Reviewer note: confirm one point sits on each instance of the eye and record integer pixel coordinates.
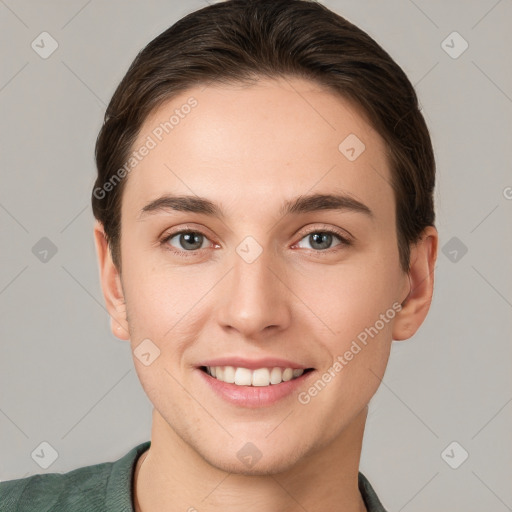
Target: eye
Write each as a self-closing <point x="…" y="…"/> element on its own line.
<point x="186" y="241"/>
<point x="321" y="240"/>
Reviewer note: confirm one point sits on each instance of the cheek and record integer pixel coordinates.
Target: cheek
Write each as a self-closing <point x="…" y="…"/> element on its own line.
<point x="348" y="298"/>
<point x="166" y="306"/>
<point x="355" y="301"/>
<point x="356" y="352"/>
<point x="159" y="299"/>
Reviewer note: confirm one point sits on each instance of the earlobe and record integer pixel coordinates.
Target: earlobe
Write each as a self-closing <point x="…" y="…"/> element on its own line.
<point x="421" y="276"/>
<point x="111" y="285"/>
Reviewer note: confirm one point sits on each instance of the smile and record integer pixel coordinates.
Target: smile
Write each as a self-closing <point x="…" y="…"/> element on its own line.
<point x="258" y="377"/>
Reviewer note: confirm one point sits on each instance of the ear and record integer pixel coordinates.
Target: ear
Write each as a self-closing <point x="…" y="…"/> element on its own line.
<point x="111" y="285"/>
<point x="421" y="277"/>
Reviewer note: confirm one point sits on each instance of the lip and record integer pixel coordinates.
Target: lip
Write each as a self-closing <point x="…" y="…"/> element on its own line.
<point x="253" y="396"/>
<point x="253" y="364"/>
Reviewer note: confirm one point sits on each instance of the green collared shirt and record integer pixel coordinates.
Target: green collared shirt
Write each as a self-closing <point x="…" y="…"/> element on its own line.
<point x="100" y="487"/>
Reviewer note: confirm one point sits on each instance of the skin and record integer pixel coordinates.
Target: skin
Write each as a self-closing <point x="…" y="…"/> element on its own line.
<point x="250" y="148"/>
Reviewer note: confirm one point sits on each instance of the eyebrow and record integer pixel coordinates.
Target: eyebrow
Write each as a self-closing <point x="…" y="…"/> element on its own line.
<point x="299" y="205"/>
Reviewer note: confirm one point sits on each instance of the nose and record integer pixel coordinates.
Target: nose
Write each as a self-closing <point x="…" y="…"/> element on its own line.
<point x="256" y="298"/>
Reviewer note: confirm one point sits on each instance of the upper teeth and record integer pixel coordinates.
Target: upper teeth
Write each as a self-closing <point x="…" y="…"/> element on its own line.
<point x="259" y="377"/>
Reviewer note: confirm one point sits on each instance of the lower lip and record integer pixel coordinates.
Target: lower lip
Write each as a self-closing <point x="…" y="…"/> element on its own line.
<point x="254" y="396"/>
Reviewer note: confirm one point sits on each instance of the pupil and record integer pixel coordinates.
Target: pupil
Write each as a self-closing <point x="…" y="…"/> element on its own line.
<point x="193" y="239"/>
<point x="323" y="239"/>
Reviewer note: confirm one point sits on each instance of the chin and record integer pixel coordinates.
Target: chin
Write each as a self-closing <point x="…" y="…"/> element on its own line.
<point x="257" y="458"/>
<point x="272" y="464"/>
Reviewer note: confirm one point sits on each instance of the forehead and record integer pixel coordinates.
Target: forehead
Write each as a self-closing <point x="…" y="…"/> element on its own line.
<point x="250" y="143"/>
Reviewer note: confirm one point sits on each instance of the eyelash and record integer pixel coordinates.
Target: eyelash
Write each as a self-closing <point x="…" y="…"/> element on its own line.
<point x="344" y="241"/>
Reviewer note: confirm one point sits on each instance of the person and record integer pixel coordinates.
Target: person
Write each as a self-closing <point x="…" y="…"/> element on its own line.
<point x="264" y="231"/>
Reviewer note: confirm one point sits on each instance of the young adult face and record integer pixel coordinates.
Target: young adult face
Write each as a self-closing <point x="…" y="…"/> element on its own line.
<point x="305" y="298"/>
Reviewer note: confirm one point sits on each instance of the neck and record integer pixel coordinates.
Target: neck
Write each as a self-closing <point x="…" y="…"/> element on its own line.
<point x="171" y="476"/>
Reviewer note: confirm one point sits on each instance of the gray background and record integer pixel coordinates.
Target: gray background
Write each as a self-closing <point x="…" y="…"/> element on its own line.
<point x="66" y="380"/>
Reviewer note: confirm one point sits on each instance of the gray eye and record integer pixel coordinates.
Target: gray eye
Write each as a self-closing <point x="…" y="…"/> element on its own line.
<point x="189" y="241"/>
<point x="320" y="240"/>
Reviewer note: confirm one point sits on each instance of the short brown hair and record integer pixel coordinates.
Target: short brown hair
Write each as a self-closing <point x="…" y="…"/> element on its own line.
<point x="239" y="41"/>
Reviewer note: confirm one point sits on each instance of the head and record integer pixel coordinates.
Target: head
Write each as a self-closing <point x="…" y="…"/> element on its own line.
<point x="261" y="112"/>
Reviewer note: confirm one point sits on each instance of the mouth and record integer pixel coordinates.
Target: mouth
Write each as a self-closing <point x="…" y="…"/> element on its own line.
<point x="258" y="377"/>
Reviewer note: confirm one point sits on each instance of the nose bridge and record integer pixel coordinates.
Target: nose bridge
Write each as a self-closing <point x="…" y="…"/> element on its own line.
<point x="255" y="298"/>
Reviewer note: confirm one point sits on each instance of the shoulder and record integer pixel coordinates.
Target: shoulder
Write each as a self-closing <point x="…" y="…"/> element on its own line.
<point x="370" y="498"/>
<point x="87" y="488"/>
<point x="52" y="490"/>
